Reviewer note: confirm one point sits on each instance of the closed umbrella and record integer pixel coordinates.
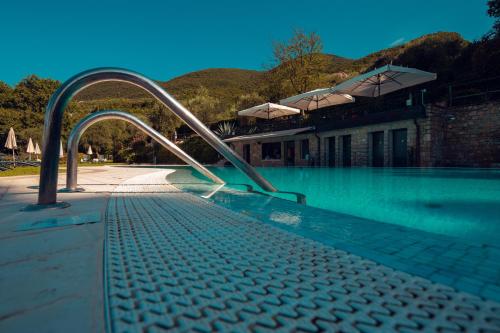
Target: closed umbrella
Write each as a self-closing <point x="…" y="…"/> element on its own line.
<point x="268" y="111"/>
<point x="31" y="149"/>
<point x="89" y="151"/>
<point x="316" y="99"/>
<point x="61" y="151"/>
<point x="384" y="80"/>
<point x="11" y="143"/>
<point x="37" y="150"/>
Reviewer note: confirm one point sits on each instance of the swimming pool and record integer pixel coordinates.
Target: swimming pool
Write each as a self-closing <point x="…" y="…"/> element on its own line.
<point x="442" y="224"/>
<point x="457" y="202"/>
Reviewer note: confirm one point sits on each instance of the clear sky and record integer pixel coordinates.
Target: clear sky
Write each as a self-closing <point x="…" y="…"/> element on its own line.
<point x="164" y="39"/>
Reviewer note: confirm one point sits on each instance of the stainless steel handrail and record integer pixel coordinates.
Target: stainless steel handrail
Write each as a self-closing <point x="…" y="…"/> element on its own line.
<point x="83" y="124"/>
<point x="47" y="193"/>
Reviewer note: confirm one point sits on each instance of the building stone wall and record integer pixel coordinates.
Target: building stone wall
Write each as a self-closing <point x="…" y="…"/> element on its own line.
<point x="361" y="142"/>
<point x="431" y="136"/>
<point x="471" y="136"/>
<point x="256" y="150"/>
<point x="466" y="136"/>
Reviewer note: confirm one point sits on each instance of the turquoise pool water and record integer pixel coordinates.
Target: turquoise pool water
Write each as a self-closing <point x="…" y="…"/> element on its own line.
<point x="458" y="202"/>
<point x="441" y="224"/>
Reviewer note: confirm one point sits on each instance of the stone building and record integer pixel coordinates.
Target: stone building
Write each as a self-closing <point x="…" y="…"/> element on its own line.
<point x="434" y="135"/>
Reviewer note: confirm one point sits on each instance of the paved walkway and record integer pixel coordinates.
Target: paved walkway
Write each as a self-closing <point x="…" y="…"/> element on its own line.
<point x="173" y="261"/>
<point x="51" y="280"/>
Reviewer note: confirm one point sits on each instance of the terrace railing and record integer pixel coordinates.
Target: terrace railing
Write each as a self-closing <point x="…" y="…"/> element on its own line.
<point x="404" y="104"/>
<point x="474" y="91"/>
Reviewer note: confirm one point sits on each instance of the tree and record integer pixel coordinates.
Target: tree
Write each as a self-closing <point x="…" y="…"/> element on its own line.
<point x="33" y="93"/>
<point x="162" y="119"/>
<point x="481" y="58"/>
<point x="246" y="101"/>
<point x="494" y="11"/>
<point x="5" y="95"/>
<point x="200" y="150"/>
<point x="298" y="61"/>
<point x="434" y="54"/>
<point x="203" y="105"/>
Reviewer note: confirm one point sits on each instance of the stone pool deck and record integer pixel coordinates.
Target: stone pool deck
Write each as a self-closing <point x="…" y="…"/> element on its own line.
<point x="158" y="259"/>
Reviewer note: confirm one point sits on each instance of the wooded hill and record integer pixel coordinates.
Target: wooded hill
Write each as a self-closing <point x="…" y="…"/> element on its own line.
<point x="433" y="52"/>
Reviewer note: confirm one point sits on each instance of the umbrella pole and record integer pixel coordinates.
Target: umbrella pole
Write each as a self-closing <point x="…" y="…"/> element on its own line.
<point x="13" y="157"/>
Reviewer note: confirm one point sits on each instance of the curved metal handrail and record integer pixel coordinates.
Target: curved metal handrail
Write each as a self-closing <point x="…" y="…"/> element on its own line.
<point x="47" y="193"/>
<point x="84" y="123"/>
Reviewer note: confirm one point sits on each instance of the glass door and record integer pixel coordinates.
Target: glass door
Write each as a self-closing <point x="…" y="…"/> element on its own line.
<point x="331" y="151"/>
<point x="378" y="149"/>
<point x="346" y="150"/>
<point x="399" y="148"/>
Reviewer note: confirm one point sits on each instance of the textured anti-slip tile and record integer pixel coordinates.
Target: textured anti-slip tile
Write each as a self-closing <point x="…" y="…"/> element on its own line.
<point x="176" y="262"/>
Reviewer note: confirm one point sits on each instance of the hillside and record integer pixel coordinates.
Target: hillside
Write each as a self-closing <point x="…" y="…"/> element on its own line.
<point x="433" y="52"/>
<point x="223" y="83"/>
<point x="226" y="84"/>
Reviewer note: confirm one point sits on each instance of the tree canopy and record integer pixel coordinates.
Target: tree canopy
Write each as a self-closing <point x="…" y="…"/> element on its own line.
<point x="298" y="62"/>
<point x="494" y="11"/>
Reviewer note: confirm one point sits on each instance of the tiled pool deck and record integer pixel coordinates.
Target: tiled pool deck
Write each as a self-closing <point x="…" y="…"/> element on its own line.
<point x="174" y="261"/>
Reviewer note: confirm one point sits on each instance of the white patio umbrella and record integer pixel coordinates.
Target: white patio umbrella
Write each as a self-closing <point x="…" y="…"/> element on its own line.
<point x="31" y="149"/>
<point x="89" y="151"/>
<point x="37" y="150"/>
<point x="384" y="80"/>
<point x="316" y="99"/>
<point x="11" y="143"/>
<point x="61" y="151"/>
<point x="268" y="111"/>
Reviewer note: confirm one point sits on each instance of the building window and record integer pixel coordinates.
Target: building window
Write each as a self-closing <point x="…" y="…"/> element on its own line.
<point x="304" y="149"/>
<point x="246" y="153"/>
<point x="271" y="151"/>
<point x="346" y="150"/>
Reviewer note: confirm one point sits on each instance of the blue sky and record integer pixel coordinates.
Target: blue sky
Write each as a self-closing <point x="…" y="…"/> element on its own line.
<point x="164" y="39"/>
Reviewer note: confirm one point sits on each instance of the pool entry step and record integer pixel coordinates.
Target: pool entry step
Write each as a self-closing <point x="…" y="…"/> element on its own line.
<point x="47" y="194"/>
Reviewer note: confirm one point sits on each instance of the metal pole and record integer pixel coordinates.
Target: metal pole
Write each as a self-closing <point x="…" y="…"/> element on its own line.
<point x="54" y="115"/>
<point x="81" y="127"/>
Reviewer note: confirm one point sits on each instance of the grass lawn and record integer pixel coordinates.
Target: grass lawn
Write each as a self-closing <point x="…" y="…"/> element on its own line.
<point x="21" y="171"/>
<point x="32" y="170"/>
